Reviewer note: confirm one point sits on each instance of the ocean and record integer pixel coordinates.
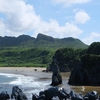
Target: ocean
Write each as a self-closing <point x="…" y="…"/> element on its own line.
<point x="28" y="84"/>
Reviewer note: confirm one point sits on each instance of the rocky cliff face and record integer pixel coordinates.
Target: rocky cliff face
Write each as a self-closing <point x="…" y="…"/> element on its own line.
<point x="66" y="59"/>
<point x="86" y="72"/>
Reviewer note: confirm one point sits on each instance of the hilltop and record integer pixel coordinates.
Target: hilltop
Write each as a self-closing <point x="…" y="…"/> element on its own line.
<point x="42" y="41"/>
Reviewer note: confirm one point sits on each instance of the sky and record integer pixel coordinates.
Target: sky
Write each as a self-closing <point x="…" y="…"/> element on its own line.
<point x="57" y="18"/>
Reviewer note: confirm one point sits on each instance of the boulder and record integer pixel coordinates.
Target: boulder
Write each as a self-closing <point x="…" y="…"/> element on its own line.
<point x="93" y="95"/>
<point x="4" y="96"/>
<point x="34" y="96"/>
<point x="52" y="93"/>
<point x="55" y="98"/>
<point x="18" y="94"/>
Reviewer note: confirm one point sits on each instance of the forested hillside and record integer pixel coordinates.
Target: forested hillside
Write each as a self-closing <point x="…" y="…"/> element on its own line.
<point x="68" y="58"/>
<point x="28" y="51"/>
<point x="27" y="57"/>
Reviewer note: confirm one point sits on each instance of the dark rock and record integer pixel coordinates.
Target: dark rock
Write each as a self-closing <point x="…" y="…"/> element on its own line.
<point x="18" y="94"/>
<point x="34" y="96"/>
<point x="79" y="76"/>
<point x="62" y="94"/>
<point x="4" y="96"/>
<point x="87" y="71"/>
<point x="50" y="93"/>
<point x="55" y="98"/>
<point x="77" y="97"/>
<point x="86" y="98"/>
<point x="71" y="93"/>
<point x="66" y="92"/>
<point x="93" y="95"/>
<point x="35" y="69"/>
<point x="56" y="76"/>
<point x="41" y="97"/>
<point x="43" y="70"/>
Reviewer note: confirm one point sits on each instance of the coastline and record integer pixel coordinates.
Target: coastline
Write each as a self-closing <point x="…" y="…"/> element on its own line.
<point x="41" y="76"/>
<point x="27" y="71"/>
<point x="30" y="71"/>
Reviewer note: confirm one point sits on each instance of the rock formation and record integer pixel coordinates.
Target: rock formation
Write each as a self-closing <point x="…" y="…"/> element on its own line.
<point x="56" y="76"/>
<point x="4" y="95"/>
<point x="18" y="94"/>
<point x="86" y="72"/>
<point x="53" y="93"/>
<point x="62" y="94"/>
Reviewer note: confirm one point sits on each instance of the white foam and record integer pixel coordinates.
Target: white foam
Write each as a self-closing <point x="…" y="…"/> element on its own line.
<point x="28" y="84"/>
<point x="19" y="79"/>
<point x="25" y="81"/>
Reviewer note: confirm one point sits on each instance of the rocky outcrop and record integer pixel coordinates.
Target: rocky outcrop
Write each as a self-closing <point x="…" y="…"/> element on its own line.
<point x="53" y="93"/>
<point x="4" y="95"/>
<point x="18" y="94"/>
<point x="56" y="76"/>
<point x="79" y="76"/>
<point x="66" y="59"/>
<point x="62" y="94"/>
<point x="86" y="72"/>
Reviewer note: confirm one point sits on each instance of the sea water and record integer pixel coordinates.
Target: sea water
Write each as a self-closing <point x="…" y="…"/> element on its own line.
<point x="28" y="84"/>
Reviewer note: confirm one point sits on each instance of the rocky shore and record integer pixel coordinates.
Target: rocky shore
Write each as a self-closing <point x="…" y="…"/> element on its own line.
<point x="53" y="93"/>
<point x="63" y="92"/>
<point x="86" y="72"/>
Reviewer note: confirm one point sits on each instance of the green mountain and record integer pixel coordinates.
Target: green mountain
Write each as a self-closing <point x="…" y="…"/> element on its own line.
<point x="8" y="41"/>
<point x="42" y="41"/>
<point x="28" y="51"/>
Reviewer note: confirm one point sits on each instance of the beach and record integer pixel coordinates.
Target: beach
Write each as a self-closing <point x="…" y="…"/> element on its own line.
<point x="29" y="79"/>
<point x="35" y="79"/>
<point x="37" y="72"/>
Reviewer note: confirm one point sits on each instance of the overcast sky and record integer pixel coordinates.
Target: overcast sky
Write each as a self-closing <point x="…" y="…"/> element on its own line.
<point x="57" y="18"/>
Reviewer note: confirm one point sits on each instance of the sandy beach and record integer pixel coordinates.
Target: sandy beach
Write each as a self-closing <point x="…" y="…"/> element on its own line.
<point x="27" y="71"/>
<point x="30" y="71"/>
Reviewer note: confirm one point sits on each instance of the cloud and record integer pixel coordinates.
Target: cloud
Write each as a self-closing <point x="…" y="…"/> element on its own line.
<point x="81" y="17"/>
<point x="21" y="18"/>
<point x="2" y="27"/>
<point x="69" y="2"/>
<point x="93" y="37"/>
<point x="52" y="28"/>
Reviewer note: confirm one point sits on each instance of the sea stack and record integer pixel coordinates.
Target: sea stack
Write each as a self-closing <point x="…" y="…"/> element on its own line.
<point x="56" y="76"/>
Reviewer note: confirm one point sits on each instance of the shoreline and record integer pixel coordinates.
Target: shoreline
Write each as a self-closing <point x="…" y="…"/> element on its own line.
<point x="42" y="76"/>
<point x="28" y="71"/>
